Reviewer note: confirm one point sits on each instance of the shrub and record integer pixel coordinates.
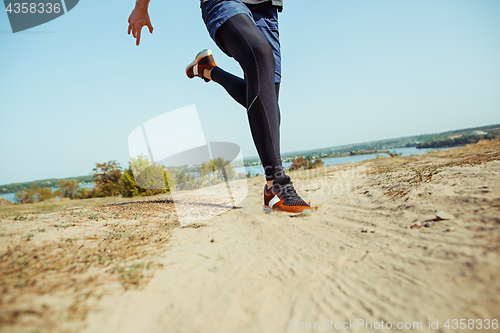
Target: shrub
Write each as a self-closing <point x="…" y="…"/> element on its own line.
<point x="393" y="154"/>
<point x="107" y="178"/>
<point x="151" y="179"/>
<point x="68" y="188"/>
<point x="305" y="163"/>
<point x="35" y="194"/>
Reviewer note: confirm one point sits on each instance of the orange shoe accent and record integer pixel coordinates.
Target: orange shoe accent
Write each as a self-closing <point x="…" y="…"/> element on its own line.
<point x="282" y="198"/>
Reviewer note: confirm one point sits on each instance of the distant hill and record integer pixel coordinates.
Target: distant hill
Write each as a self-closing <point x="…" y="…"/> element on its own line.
<point x="53" y="182"/>
<point x="403" y="142"/>
<point x="408" y="141"/>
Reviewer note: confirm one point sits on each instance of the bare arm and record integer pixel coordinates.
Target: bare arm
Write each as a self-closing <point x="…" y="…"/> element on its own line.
<point x="138" y="19"/>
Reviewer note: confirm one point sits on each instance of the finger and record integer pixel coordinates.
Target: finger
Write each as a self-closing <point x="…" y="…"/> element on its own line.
<point x="138" y="37"/>
<point x="129" y="28"/>
<point x="134" y="32"/>
<point x="150" y="26"/>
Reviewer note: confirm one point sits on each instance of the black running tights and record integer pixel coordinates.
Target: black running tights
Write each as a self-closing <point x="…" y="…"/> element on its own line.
<point x="257" y="92"/>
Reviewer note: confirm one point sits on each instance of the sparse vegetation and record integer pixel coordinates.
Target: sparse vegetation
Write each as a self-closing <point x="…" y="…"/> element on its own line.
<point x="132" y="274"/>
<point x="77" y="265"/>
<point x="393" y="154"/>
<point x="35" y="194"/>
<point x="412" y="173"/>
<point x="305" y="163"/>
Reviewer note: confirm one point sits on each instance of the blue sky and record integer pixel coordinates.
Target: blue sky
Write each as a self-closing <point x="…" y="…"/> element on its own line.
<point x="72" y="90"/>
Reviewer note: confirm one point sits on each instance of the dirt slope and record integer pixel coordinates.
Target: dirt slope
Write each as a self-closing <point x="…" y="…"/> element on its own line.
<point x="374" y="250"/>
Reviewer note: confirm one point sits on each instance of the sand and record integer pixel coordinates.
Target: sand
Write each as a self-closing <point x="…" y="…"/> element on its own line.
<point x="374" y="250"/>
<point x="5" y="202"/>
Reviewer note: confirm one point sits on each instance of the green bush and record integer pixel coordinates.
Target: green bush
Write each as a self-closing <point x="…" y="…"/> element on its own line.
<point x="68" y="188"/>
<point x="151" y="177"/>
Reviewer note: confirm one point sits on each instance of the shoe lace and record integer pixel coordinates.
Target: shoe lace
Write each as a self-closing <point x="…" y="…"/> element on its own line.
<point x="288" y="193"/>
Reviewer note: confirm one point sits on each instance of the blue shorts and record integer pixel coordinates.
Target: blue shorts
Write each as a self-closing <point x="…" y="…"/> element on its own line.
<point x="216" y="12"/>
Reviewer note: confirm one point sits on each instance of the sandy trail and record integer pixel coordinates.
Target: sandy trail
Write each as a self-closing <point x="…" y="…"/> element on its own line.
<point x="355" y="258"/>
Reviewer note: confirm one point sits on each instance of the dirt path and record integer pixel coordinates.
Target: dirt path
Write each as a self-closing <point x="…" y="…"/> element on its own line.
<point x="355" y="258"/>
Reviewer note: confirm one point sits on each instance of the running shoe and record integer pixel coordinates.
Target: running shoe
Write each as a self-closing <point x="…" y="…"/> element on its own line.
<point x="282" y="198"/>
<point x="203" y="60"/>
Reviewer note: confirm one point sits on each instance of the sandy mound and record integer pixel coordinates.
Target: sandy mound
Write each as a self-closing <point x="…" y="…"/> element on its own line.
<point x="5" y="202"/>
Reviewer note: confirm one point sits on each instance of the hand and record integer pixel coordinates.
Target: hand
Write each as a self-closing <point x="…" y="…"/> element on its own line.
<point x="137" y="20"/>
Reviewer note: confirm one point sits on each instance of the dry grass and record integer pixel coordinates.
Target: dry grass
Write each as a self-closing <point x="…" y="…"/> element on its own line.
<point x="399" y="175"/>
<point x="73" y="255"/>
<point x="5" y="202"/>
<point x="55" y="205"/>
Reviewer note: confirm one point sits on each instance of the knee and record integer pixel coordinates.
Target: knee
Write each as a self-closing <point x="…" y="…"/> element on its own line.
<point x="263" y="51"/>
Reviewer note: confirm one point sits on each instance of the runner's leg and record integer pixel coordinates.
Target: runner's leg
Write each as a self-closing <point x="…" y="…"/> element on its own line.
<point x="247" y="45"/>
<point x="235" y="86"/>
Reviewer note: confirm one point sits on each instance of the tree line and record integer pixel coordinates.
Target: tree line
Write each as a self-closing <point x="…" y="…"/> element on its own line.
<point x="110" y="179"/>
<point x="12" y="188"/>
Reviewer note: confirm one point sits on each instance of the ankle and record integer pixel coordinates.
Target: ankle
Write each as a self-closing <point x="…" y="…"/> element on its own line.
<point x="207" y="73"/>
